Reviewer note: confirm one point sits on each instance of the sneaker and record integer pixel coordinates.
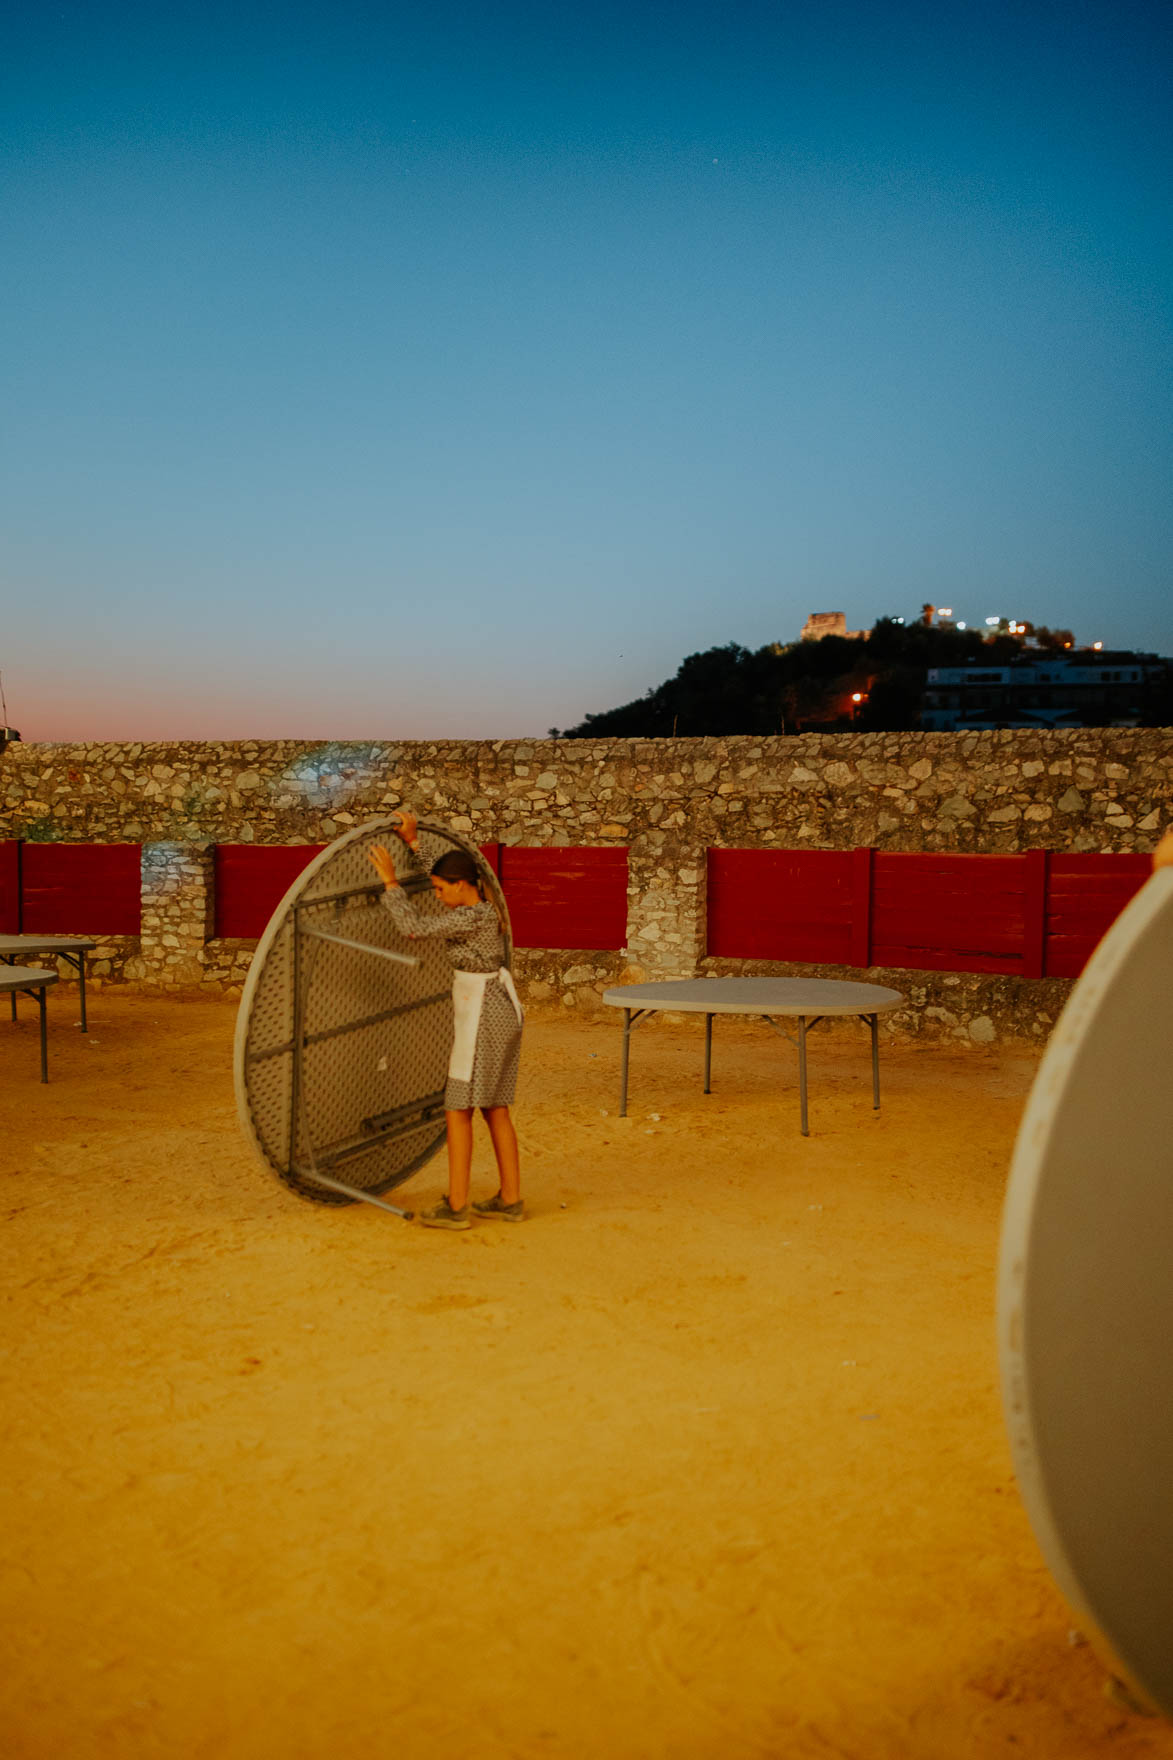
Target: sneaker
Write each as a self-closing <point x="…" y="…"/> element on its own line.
<point x="442" y="1215"/>
<point x="494" y="1207"/>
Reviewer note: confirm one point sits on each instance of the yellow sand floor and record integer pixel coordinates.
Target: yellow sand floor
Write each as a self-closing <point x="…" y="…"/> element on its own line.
<point x="703" y="1461"/>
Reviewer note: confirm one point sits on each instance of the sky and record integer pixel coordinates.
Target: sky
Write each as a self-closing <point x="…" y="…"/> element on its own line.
<point x="407" y="372"/>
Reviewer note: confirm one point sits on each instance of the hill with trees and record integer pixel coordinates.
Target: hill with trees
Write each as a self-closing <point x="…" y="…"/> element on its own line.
<point x="872" y="682"/>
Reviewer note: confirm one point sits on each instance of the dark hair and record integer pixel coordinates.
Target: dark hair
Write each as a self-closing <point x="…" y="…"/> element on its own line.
<point x="457" y="864"/>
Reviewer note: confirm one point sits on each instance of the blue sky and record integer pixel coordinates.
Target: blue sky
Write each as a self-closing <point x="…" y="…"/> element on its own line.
<point x="398" y="372"/>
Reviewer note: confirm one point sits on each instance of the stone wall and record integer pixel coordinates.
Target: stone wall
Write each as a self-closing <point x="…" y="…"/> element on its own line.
<point x="667" y="801"/>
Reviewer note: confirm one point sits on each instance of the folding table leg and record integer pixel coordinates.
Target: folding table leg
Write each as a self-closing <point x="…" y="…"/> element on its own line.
<point x="44" y="1040"/>
<point x="802" y="1073"/>
<point x="708" y="1053"/>
<point x="81" y="980"/>
<point x="626" y="1053"/>
<point x="874" y="1024"/>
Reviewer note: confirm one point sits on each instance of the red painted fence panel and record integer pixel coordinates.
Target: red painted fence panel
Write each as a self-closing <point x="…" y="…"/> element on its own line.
<point x="10" y="887"/>
<point x="1085" y="895"/>
<point x="1034" y="915"/>
<point x="566" y="898"/>
<point x="81" y="889"/>
<point x="558" y="898"/>
<point x="786" y="904"/>
<point x="251" y="879"/>
<point x="949" y="913"/>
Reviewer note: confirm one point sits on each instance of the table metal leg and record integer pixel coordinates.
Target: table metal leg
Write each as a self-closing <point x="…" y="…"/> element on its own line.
<point x="44" y="1040"/>
<point x="336" y="1185"/>
<point x="874" y="1023"/>
<point x="81" y="981"/>
<point x="802" y="1073"/>
<point x="623" y="1066"/>
<point x="708" y="1053"/>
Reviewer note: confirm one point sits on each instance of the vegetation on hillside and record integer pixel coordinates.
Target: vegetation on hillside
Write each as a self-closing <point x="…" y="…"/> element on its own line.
<point x="800" y="685"/>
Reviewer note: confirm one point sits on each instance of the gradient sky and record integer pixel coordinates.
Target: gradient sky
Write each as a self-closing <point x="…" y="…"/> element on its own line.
<point x="388" y="371"/>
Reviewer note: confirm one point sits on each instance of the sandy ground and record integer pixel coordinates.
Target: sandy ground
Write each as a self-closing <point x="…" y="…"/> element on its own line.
<point x="704" y="1460"/>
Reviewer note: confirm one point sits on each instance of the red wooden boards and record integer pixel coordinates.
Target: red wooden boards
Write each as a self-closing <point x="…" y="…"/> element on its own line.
<point x="80" y="889"/>
<point x="949" y="913"/>
<point x="251" y="879"/>
<point x="564" y="898"/>
<point x="1034" y="915"/>
<point x="567" y="899"/>
<point x="781" y="904"/>
<point x="10" y="864"/>
<point x="1084" y="895"/>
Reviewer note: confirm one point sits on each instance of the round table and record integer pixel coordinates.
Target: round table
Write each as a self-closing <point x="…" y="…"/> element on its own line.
<point x="807" y="1000"/>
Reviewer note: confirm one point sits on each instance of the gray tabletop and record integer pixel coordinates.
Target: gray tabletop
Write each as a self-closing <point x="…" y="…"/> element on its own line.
<point x="25" y="978"/>
<point x="792" y="996"/>
<point x="46" y="944"/>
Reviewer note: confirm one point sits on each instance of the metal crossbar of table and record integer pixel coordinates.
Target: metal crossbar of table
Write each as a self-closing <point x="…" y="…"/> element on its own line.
<point x="807" y="1000"/>
<point x="34" y="982"/>
<point x="71" y="948"/>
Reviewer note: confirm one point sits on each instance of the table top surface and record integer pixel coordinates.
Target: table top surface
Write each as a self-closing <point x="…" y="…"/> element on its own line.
<point x="24" y="978"/>
<point x="801" y="996"/>
<point x="46" y="944"/>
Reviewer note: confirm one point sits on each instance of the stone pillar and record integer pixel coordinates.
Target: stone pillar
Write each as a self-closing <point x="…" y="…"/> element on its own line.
<point x="178" y="904"/>
<point x="666" y="907"/>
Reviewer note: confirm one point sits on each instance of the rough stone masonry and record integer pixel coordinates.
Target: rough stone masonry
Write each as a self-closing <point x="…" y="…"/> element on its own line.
<point x="666" y="801"/>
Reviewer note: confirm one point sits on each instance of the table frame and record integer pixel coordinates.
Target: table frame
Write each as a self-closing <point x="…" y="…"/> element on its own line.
<point x="74" y="956"/>
<point x="36" y="984"/>
<point x="637" y="1013"/>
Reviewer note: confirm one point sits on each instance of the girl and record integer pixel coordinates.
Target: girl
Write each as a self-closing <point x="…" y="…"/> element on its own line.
<point x="487" y="1015"/>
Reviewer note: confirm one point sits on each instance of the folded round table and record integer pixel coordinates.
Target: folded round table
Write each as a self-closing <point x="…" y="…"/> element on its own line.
<point x="807" y="1000"/>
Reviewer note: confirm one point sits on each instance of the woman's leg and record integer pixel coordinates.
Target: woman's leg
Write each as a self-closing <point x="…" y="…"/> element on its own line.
<point x="459" y="1126"/>
<point x="505" y="1149"/>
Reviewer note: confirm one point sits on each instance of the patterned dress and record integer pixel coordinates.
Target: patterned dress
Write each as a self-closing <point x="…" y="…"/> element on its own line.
<point x="473" y="943"/>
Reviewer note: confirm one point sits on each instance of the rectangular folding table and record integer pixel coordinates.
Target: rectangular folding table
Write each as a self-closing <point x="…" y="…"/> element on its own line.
<point x="71" y="948"/>
<point x="33" y="982"/>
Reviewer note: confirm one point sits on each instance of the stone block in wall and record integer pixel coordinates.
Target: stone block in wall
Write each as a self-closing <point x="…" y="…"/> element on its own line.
<point x="178" y="907"/>
<point x="226" y="964"/>
<point x="568" y="980"/>
<point x="107" y="964"/>
<point x="666" y="905"/>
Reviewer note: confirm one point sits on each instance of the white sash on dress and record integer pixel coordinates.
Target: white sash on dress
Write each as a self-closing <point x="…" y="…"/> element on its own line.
<point x="468" y="999"/>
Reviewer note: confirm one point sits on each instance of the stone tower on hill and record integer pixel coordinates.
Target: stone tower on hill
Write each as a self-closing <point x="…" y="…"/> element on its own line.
<point x="829" y="623"/>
